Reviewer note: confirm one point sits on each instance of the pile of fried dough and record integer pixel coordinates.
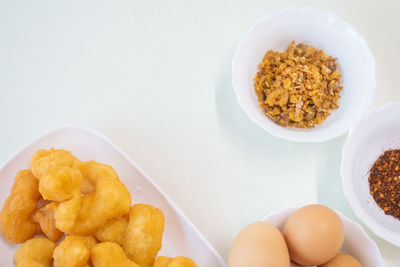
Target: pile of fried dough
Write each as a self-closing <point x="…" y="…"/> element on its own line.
<point x="82" y="215"/>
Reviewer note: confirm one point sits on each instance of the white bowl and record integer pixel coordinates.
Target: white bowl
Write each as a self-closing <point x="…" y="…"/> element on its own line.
<point x="378" y="132"/>
<point x="323" y="30"/>
<point x="356" y="241"/>
<point x="180" y="237"/>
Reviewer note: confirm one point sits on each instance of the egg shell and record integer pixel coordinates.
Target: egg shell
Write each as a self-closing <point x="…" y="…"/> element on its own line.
<point x="293" y="264"/>
<point x="314" y="234"/>
<point x="342" y="260"/>
<point x="260" y="244"/>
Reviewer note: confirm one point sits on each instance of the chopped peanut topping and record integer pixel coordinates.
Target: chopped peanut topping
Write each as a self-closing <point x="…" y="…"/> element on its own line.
<point x="298" y="87"/>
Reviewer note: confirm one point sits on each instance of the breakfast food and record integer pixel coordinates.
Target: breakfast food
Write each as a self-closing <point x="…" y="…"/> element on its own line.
<point x="259" y="244"/>
<point x="113" y="230"/>
<point x="43" y="160"/>
<point x="298" y="87"/>
<point x="73" y="251"/>
<point x="314" y="234"/>
<point x="45" y="218"/>
<point x="110" y="199"/>
<point x="162" y="261"/>
<point x="110" y="254"/>
<point x="93" y="171"/>
<point x="60" y="184"/>
<point x="143" y="234"/>
<point x="15" y="222"/>
<point x="87" y="204"/>
<point x="174" y="262"/>
<point x="384" y="179"/>
<point x="65" y="213"/>
<point x="342" y="260"/>
<point x="36" y="252"/>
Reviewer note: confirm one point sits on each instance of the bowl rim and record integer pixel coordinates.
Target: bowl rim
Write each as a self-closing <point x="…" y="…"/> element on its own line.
<point x="344" y="219"/>
<point x="376" y="228"/>
<point x="301" y="138"/>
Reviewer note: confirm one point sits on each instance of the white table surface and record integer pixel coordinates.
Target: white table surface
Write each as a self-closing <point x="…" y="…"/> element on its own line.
<point x="155" y="77"/>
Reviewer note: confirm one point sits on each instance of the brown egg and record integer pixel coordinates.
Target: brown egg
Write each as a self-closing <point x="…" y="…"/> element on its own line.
<point x="314" y="234"/>
<point x="259" y="244"/>
<point x="293" y="264"/>
<point x="342" y="260"/>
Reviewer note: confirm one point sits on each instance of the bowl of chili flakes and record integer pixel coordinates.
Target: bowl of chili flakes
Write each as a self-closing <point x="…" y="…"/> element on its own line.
<point x="370" y="171"/>
<point x="322" y="30"/>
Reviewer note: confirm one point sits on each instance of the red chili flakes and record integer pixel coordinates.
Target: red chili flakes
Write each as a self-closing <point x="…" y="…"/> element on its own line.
<point x="384" y="182"/>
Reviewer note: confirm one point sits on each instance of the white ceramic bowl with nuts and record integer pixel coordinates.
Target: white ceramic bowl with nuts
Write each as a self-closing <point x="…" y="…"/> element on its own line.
<point x="322" y="30"/>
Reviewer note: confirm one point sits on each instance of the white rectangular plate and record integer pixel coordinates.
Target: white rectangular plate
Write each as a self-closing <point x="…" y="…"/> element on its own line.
<point x="181" y="237"/>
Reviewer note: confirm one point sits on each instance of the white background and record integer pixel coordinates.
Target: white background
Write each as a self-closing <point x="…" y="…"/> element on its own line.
<point x="155" y="77"/>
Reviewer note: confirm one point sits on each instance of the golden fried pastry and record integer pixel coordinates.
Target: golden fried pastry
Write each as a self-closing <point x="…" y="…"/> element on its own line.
<point x="63" y="179"/>
<point x="108" y="254"/>
<point x="74" y="251"/>
<point x="143" y="234"/>
<point x="112" y="231"/>
<point x="63" y="185"/>
<point x="110" y="199"/>
<point x="60" y="184"/>
<point x="45" y="159"/>
<point x="45" y="218"/>
<point x="63" y="195"/>
<point x="162" y="261"/>
<point x="182" y="262"/>
<point x="36" y="252"/>
<point x="93" y="171"/>
<point x="85" y="216"/>
<point x="15" y="217"/>
<point x="66" y="213"/>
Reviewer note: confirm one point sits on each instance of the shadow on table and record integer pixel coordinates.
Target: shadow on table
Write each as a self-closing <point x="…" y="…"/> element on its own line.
<point x="329" y="183"/>
<point x="234" y="123"/>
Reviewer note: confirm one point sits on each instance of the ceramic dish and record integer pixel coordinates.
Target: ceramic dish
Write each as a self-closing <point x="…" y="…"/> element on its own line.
<point x="180" y="237"/>
<point x="366" y="142"/>
<point x="323" y="30"/>
<point x="356" y="241"/>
